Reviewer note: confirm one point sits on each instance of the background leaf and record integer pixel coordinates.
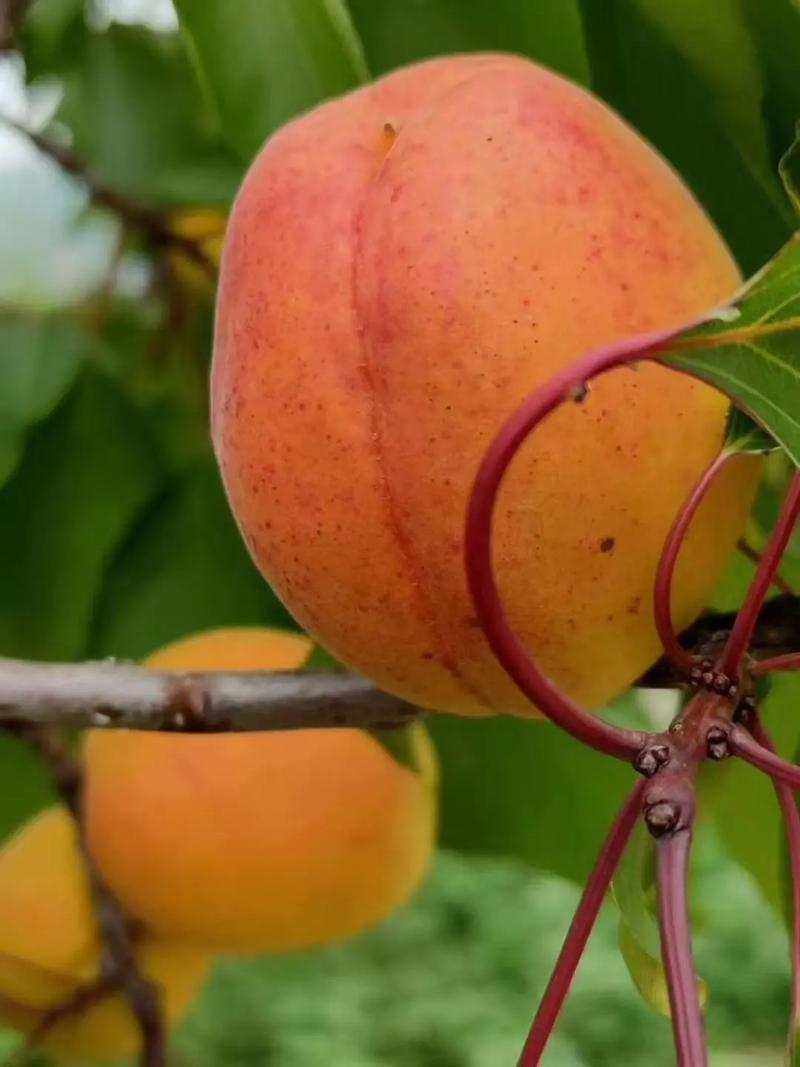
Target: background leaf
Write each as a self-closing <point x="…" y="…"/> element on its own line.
<point x="549" y="31"/>
<point x="131" y="104"/>
<point x="182" y="568"/>
<point x="270" y="62"/>
<point x="86" y="472"/>
<point x="649" y="61"/>
<point x="513" y="786"/>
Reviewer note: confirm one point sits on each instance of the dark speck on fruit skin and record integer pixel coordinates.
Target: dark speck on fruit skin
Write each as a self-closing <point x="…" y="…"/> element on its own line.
<point x="607" y="544"/>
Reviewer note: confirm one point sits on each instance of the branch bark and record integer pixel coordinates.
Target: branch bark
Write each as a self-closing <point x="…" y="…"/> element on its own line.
<point x="110" y="694"/>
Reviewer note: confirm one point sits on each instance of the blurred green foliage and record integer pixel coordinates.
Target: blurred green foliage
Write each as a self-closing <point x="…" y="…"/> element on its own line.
<point x="114" y="532"/>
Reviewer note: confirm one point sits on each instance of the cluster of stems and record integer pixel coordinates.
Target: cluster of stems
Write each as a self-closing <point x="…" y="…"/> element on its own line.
<point x="719" y="720"/>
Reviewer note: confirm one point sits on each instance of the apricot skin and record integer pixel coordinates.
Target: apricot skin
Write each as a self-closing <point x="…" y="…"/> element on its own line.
<point x="49" y="947"/>
<point x="402" y="267"/>
<point x="258" y="842"/>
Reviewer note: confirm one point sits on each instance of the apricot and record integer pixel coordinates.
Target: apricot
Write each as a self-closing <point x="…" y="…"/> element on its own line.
<point x="402" y="267"/>
<point x="50" y="947"/>
<point x="260" y="842"/>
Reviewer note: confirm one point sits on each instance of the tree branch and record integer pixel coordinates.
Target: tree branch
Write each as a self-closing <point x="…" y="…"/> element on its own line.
<point x="109" y="694"/>
<point x="119" y="968"/>
<point x="133" y="215"/>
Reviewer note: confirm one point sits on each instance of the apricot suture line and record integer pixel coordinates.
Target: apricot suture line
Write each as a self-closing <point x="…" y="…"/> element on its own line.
<point x="719" y="720"/>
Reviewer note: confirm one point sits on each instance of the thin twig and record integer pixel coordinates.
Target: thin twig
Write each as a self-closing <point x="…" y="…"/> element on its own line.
<point x="119" y="967"/>
<point x="747" y="550"/>
<point x="580" y="929"/>
<point x="11" y="15"/>
<point x="791" y="821"/>
<point x="744" y="625"/>
<point x="779" y="769"/>
<point x="149" y="221"/>
<point x="788" y="662"/>
<point x="672" y="860"/>
<point x="662" y="589"/>
<point x="108" y="694"/>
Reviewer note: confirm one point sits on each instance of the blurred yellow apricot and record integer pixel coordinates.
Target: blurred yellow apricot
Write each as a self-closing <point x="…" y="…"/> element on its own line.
<point x="260" y="841"/>
<point x="50" y="947"/>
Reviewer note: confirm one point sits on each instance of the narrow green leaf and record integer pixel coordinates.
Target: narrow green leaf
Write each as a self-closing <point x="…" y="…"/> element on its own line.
<point x="639" y="938"/>
<point x="751" y="349"/>
<point x="744" y="436"/>
<point x="789" y="169"/>
<point x="269" y="62"/>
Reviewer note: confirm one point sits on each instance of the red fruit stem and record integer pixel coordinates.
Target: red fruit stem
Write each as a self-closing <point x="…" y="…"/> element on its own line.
<point x="662" y="590"/>
<point x="569" y="383"/>
<point x="581" y="927"/>
<point x="672" y="859"/>
<point x="779" y="769"/>
<point x="789" y="662"/>
<point x="746" y="620"/>
<point x="791" y="822"/>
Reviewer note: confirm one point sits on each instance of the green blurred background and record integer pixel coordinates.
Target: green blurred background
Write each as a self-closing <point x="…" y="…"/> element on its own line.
<point x="115" y="536"/>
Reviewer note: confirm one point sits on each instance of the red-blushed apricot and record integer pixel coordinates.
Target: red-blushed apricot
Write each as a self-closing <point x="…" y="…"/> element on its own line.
<point x="50" y="947"/>
<point x="258" y="842"/>
<point x="402" y="267"/>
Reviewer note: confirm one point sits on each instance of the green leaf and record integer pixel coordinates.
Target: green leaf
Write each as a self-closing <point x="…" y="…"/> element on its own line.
<point x="182" y="568"/>
<point x="548" y="31"/>
<point x="39" y="360"/>
<point x="136" y="117"/>
<point x="525" y="789"/>
<point x="86" y="473"/>
<point x="662" y="66"/>
<point x="51" y="36"/>
<point x="751" y="349"/>
<point x="25" y="786"/>
<point x="321" y="659"/>
<point x="789" y="168"/>
<point x="775" y="29"/>
<point x="743" y="436"/>
<point x="269" y="62"/>
<point x="639" y="938"/>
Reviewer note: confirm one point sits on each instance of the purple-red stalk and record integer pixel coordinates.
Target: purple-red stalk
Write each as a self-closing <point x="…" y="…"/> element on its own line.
<point x="746" y="620"/>
<point x="791" y="822"/>
<point x="662" y="590"/>
<point x="672" y="860"/>
<point x="569" y="383"/>
<point x="789" y="662"/>
<point x="580" y="929"/>
<point x="779" y="769"/>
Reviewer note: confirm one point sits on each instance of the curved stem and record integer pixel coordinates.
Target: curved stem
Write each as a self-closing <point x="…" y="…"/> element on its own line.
<point x="791" y="822"/>
<point x="506" y="646"/>
<point x="765" y="572"/>
<point x="779" y="769"/>
<point x="789" y="662"/>
<point x="662" y="589"/>
<point x="580" y="929"/>
<point x="672" y="859"/>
